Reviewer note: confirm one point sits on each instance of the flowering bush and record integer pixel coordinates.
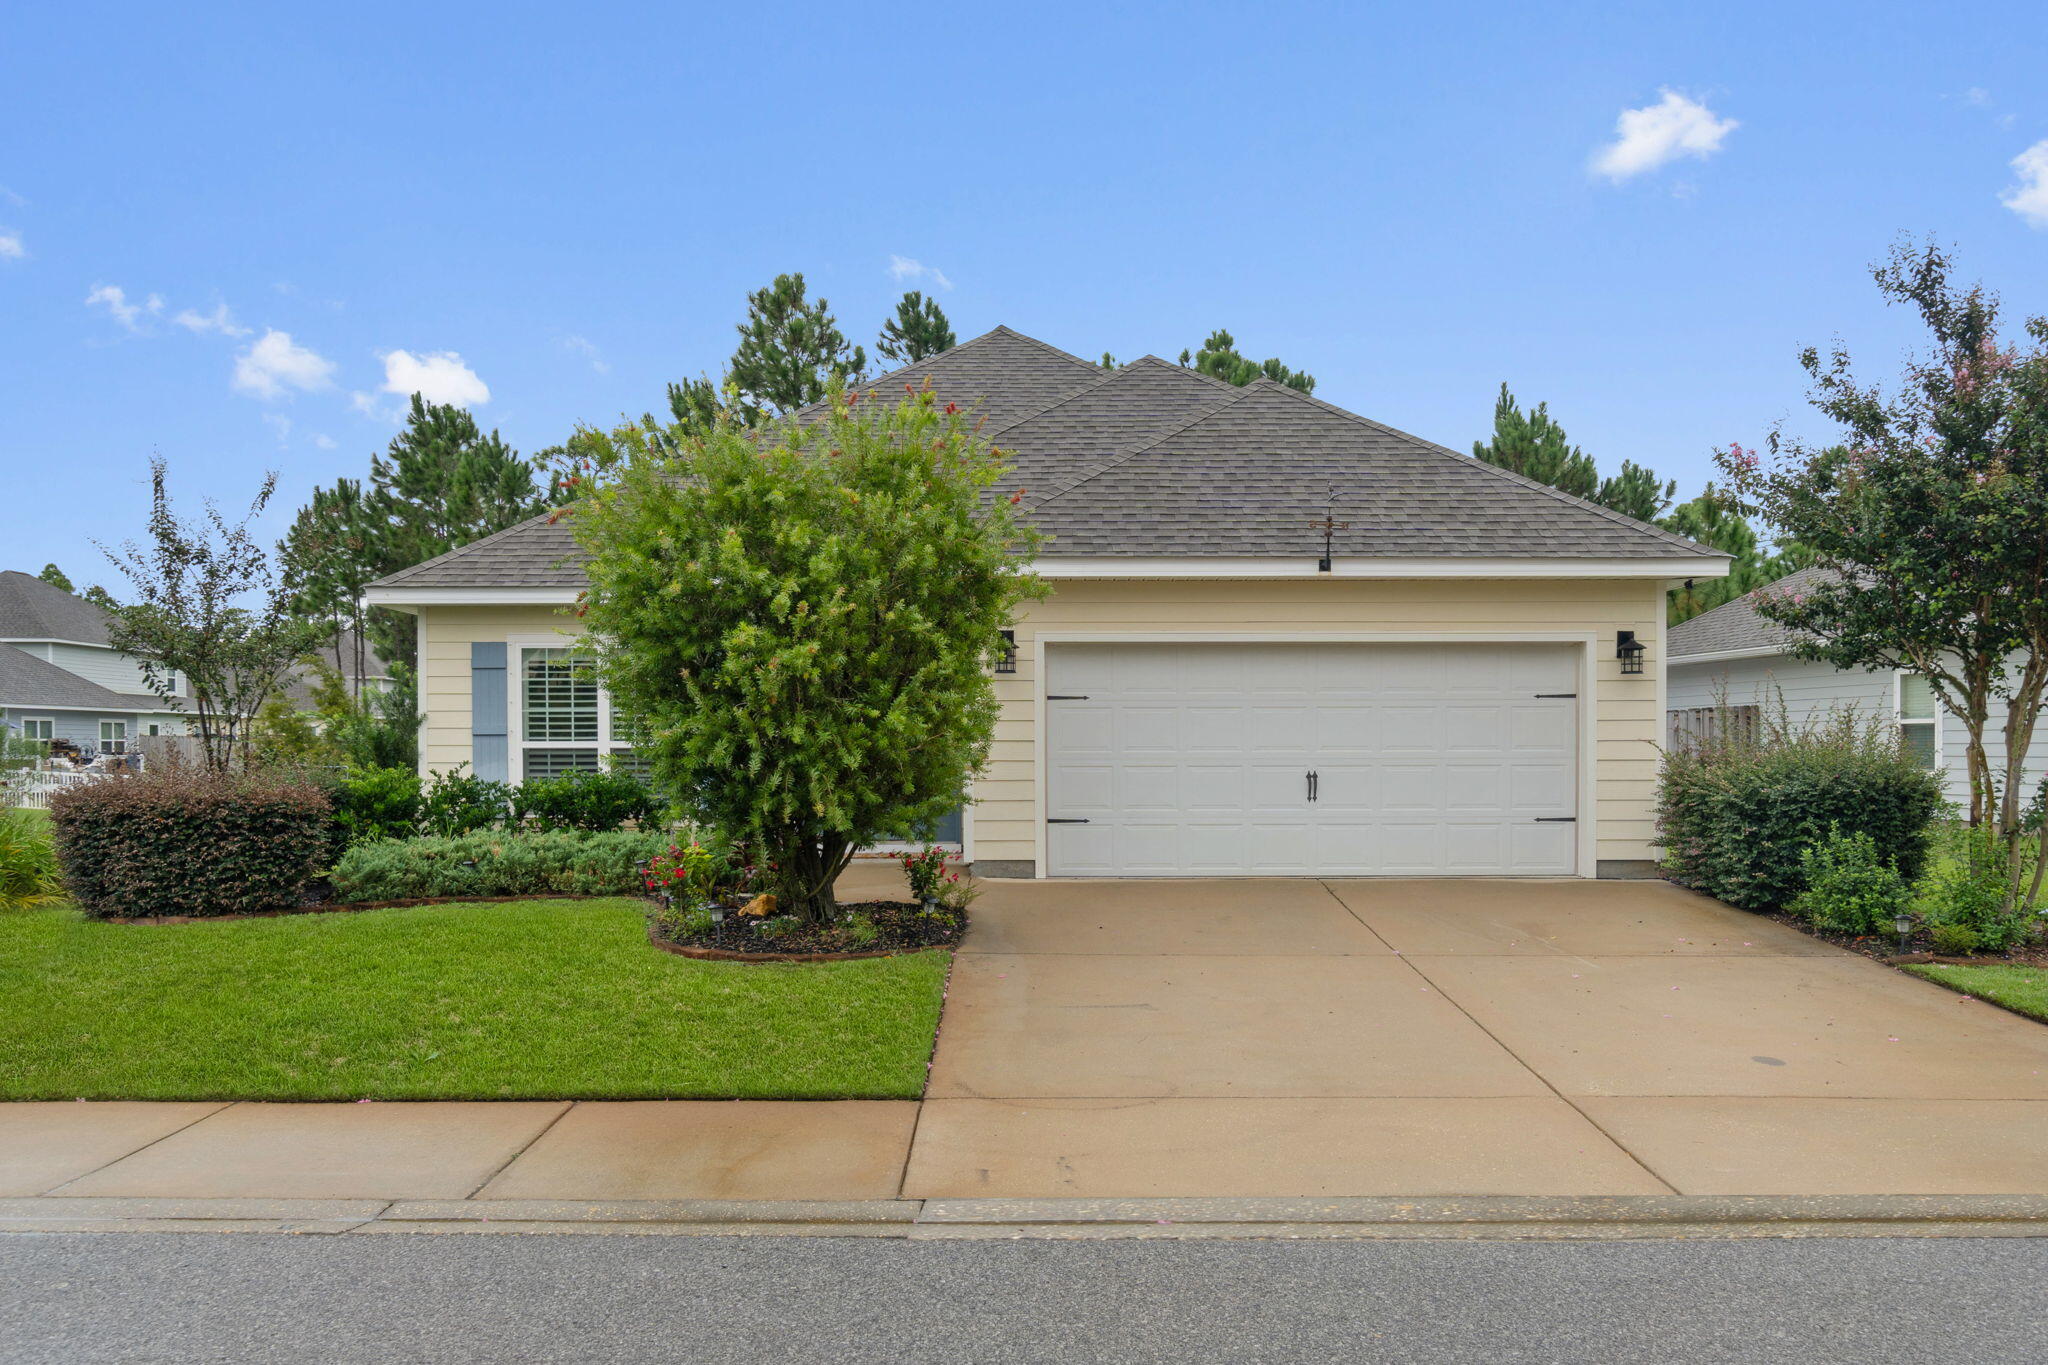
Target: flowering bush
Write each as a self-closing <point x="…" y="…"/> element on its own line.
<point x="688" y="875"/>
<point x="926" y="872"/>
<point x="801" y="618"/>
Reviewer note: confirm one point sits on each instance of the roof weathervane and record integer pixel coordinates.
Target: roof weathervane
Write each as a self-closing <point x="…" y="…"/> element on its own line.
<point x="1329" y="526"/>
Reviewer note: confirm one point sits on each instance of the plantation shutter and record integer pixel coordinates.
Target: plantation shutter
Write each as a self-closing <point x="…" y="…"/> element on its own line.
<point x="488" y="753"/>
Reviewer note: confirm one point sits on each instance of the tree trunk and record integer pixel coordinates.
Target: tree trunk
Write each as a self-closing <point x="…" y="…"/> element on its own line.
<point x="804" y="881"/>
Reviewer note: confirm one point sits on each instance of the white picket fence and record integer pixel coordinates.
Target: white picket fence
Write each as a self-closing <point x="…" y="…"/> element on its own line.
<point x="32" y="790"/>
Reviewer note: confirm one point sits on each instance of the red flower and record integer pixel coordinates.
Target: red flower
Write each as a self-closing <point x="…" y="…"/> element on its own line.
<point x="952" y="408"/>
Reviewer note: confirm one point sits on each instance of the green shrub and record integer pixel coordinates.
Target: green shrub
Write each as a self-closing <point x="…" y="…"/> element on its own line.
<point x="496" y="864"/>
<point x="585" y="801"/>
<point x="1850" y="887"/>
<point x="1966" y="891"/>
<point x="177" y="841"/>
<point x="1734" y="815"/>
<point x="378" y="803"/>
<point x="1954" y="940"/>
<point x="458" y="803"/>
<point x="28" y="861"/>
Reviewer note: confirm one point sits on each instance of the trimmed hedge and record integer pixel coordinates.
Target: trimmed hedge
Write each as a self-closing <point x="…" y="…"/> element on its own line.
<point x="1736" y="815"/>
<point x="506" y="865"/>
<point x="181" y="842"/>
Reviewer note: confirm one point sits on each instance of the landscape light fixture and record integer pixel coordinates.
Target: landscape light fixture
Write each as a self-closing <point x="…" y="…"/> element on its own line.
<point x="1904" y="924"/>
<point x="1006" y="657"/>
<point x="1630" y="651"/>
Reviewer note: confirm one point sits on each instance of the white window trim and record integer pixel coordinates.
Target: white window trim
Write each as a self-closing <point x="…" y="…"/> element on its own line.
<point x="516" y="647"/>
<point x="27" y="721"/>
<point x="121" y="721"/>
<point x="1899" y="716"/>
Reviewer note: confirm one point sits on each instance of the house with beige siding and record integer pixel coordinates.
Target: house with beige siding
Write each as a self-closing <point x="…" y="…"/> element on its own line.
<point x="1281" y="639"/>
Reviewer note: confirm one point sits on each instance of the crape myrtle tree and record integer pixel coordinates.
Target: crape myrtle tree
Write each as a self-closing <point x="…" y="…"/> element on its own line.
<point x="1932" y="512"/>
<point x="210" y="608"/>
<point x="802" y="617"/>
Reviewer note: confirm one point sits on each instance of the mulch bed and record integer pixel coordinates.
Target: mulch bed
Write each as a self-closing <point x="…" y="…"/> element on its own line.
<point x="1885" y="948"/>
<point x="900" y="927"/>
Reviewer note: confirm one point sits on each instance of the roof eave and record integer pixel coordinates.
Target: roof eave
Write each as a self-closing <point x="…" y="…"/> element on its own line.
<point x="404" y="597"/>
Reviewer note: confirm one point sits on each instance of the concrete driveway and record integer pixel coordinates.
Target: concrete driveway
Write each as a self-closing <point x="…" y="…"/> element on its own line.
<point x="1304" y="1038"/>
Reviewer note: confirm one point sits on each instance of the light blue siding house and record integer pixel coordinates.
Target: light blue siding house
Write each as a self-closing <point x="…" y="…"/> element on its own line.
<point x="62" y="679"/>
<point x="1732" y="653"/>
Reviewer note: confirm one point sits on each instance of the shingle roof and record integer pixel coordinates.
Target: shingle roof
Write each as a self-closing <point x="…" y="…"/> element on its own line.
<point x="1248" y="477"/>
<point x="1737" y="626"/>
<point x="1155" y="460"/>
<point x="26" y="681"/>
<point x="31" y="609"/>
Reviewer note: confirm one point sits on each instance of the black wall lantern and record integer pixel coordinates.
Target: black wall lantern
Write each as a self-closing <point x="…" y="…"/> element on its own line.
<point x="1006" y="657"/>
<point x="1629" y="650"/>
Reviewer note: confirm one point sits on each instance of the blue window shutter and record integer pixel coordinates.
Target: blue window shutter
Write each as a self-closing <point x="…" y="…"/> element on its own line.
<point x="489" y="755"/>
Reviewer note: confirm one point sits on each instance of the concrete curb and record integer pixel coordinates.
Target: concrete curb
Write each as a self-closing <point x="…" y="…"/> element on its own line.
<point x="1603" y="1217"/>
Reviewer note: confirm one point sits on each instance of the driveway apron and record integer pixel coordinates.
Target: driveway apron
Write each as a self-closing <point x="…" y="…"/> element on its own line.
<point x="1287" y="1037"/>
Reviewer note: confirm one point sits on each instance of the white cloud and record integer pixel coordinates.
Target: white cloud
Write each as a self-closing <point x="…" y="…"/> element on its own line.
<point x="1655" y="134"/>
<point x="11" y="248"/>
<point x="903" y="268"/>
<point x="1977" y="95"/>
<point x="2029" y="198"/>
<point x="115" y="300"/>
<point x="280" y="424"/>
<point x="584" y="347"/>
<point x="274" y="363"/>
<point x="219" y="320"/>
<point x="437" y="376"/>
<point x="323" y="440"/>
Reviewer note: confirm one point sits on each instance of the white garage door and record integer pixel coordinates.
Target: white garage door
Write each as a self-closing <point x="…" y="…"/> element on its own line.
<point x="1218" y="759"/>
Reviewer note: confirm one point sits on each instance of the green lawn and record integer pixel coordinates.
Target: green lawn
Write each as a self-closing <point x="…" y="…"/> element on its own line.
<point x="2021" y="989"/>
<point x="536" y="999"/>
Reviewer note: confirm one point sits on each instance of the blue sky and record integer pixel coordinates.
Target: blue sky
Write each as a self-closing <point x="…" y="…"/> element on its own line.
<point x="565" y="206"/>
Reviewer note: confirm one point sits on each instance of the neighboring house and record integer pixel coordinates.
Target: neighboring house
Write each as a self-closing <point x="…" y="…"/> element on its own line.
<point x="1733" y="655"/>
<point x="61" y="677"/>
<point x="1200" y="696"/>
<point x="364" y="673"/>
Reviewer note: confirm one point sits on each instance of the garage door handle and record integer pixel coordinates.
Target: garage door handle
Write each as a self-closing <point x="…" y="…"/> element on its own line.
<point x="1056" y="820"/>
<point x="1314" y="784"/>
<point x="1557" y="819"/>
<point x="1065" y="696"/>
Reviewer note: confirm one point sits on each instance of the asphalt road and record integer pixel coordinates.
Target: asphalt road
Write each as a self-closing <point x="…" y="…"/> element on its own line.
<point x="263" y="1297"/>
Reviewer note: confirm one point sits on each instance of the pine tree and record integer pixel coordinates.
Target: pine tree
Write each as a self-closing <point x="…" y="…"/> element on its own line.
<point x="790" y="349"/>
<point x="1635" y="492"/>
<point x="56" y="578"/>
<point x="919" y="329"/>
<point x="1533" y="445"/>
<point x="1712" y="519"/>
<point x="1219" y="359"/>
<point x="329" y="556"/>
<point x="442" y="484"/>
